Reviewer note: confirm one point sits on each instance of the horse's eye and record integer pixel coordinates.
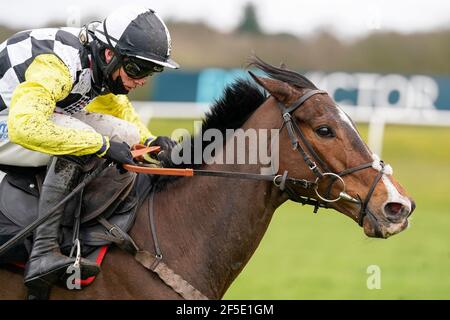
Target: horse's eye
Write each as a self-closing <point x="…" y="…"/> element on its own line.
<point x="325" y="131"/>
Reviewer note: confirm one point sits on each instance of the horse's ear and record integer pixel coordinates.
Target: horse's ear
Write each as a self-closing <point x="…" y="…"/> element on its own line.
<point x="279" y="89"/>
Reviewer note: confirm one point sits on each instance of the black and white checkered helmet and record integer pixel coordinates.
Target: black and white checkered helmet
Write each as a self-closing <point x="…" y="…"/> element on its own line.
<point x="138" y="32"/>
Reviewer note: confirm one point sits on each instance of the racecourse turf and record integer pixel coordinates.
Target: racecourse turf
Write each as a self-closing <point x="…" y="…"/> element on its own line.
<point x="327" y="256"/>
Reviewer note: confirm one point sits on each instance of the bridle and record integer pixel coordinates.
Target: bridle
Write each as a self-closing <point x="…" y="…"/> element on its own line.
<point x="318" y="167"/>
<point x="285" y="183"/>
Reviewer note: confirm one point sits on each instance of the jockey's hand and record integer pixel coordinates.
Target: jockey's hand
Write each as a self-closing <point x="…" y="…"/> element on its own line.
<point x="166" y="144"/>
<point x="119" y="153"/>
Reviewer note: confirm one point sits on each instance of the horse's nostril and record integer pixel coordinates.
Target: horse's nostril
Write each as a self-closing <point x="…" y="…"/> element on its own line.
<point x="413" y="205"/>
<point x="395" y="210"/>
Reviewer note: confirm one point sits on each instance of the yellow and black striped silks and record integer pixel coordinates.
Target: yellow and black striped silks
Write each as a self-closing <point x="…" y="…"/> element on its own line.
<point x="47" y="81"/>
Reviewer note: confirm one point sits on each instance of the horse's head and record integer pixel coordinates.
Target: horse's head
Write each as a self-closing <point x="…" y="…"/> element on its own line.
<point x="318" y="138"/>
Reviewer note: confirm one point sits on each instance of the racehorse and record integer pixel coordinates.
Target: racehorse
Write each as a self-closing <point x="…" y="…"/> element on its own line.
<point x="209" y="227"/>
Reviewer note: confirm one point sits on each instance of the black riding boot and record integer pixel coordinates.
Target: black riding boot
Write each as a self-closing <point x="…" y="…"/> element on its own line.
<point x="46" y="263"/>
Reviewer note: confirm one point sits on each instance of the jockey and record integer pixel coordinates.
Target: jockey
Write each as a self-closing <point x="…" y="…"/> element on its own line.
<point x="63" y="94"/>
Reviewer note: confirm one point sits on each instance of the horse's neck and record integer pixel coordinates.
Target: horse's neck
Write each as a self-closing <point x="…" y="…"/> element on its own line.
<point x="210" y="227"/>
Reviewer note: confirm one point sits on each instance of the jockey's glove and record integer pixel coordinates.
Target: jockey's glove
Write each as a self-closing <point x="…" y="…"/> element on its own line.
<point x="119" y="153"/>
<point x="166" y="145"/>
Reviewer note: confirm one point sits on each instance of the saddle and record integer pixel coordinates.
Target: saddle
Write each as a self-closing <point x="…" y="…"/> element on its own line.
<point x="108" y="210"/>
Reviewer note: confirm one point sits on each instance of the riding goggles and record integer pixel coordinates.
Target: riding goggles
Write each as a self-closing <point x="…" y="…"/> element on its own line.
<point x="137" y="68"/>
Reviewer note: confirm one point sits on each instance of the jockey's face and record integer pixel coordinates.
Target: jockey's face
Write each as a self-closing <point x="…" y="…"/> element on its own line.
<point x="128" y="83"/>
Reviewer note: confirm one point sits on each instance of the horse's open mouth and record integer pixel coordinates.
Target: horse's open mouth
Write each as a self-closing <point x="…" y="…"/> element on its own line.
<point x="376" y="227"/>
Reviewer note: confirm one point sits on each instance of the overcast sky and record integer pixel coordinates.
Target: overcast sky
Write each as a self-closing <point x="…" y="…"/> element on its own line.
<point x="345" y="17"/>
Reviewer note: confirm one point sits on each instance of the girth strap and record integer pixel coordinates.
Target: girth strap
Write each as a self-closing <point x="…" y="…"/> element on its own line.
<point x="154" y="263"/>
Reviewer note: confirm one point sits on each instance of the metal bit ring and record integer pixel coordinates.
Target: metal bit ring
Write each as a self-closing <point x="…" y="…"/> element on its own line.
<point x="317" y="186"/>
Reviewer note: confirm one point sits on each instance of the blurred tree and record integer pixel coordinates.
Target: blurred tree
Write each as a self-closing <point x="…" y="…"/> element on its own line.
<point x="249" y="22"/>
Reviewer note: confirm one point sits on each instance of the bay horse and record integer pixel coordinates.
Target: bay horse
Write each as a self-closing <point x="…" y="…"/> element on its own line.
<point x="209" y="227"/>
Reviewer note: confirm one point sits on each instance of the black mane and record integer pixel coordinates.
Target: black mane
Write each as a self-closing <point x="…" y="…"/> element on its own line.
<point x="237" y="104"/>
<point x="239" y="101"/>
<point x="243" y="97"/>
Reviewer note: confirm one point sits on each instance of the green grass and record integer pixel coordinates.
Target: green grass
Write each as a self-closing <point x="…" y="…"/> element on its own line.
<point x="325" y="256"/>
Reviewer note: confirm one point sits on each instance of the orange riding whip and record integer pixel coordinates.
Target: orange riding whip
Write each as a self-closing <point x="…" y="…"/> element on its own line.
<point x="279" y="180"/>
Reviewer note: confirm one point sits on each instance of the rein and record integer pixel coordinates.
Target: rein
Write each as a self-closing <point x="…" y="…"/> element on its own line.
<point x="316" y="165"/>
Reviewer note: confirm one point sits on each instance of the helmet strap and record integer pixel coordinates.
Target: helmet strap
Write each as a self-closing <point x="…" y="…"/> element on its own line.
<point x="116" y="86"/>
<point x="112" y="65"/>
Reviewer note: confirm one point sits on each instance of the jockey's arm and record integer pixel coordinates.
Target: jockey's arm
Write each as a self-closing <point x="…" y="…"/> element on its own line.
<point x="120" y="106"/>
<point x="47" y="80"/>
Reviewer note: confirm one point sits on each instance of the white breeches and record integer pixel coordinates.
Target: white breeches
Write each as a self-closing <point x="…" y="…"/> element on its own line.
<point x="116" y="129"/>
